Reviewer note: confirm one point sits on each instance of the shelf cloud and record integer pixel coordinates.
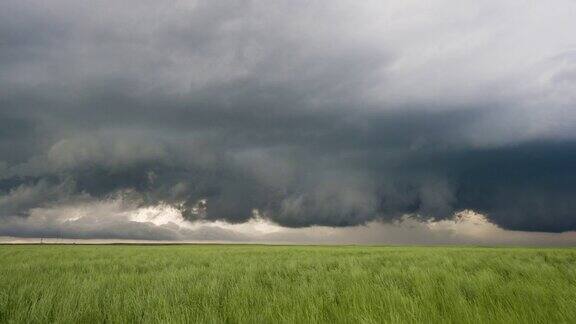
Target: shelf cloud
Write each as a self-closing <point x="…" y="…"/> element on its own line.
<point x="299" y="114"/>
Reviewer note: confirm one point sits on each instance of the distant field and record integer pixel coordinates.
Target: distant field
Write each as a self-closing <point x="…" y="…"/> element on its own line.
<point x="269" y="284"/>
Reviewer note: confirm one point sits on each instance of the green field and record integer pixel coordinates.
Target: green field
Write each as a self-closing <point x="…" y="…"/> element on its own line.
<point x="290" y="284"/>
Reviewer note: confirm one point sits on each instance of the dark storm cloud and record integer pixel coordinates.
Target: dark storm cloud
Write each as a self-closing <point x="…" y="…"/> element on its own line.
<point x="311" y="115"/>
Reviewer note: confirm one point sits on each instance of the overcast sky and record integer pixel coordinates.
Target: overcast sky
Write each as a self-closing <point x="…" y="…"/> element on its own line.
<point x="339" y="119"/>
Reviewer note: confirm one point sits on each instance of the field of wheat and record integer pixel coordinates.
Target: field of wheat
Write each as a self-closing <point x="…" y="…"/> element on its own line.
<point x="285" y="284"/>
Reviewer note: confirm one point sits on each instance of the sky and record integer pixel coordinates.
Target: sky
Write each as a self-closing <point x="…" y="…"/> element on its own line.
<point x="392" y="121"/>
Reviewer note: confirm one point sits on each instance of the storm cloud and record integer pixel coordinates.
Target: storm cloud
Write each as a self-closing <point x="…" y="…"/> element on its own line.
<point x="302" y="113"/>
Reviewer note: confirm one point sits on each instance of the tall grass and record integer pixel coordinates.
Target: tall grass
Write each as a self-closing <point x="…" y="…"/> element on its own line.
<point x="289" y="284"/>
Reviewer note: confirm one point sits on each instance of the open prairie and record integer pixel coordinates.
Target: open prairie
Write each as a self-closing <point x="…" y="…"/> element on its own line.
<point x="248" y="283"/>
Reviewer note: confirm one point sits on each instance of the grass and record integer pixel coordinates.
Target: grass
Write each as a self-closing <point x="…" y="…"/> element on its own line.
<point x="286" y="284"/>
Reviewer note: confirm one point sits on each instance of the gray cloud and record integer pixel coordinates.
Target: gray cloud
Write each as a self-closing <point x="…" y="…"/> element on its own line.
<point x="118" y="220"/>
<point x="312" y="115"/>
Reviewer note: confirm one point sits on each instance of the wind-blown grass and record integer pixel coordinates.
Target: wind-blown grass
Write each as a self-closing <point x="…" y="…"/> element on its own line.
<point x="292" y="284"/>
